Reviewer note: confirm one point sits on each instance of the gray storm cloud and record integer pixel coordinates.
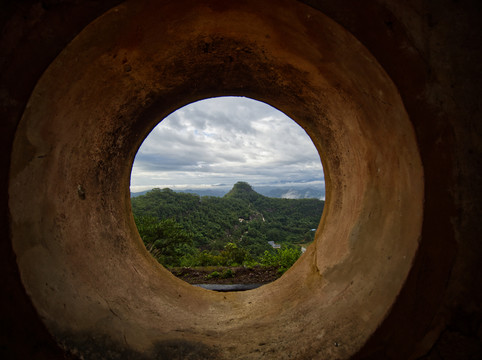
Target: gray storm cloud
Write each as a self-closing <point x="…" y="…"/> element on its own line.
<point x="225" y="140"/>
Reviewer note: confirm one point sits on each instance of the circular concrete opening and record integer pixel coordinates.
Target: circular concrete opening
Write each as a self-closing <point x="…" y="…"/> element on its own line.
<point x="80" y="258"/>
<point x="199" y="152"/>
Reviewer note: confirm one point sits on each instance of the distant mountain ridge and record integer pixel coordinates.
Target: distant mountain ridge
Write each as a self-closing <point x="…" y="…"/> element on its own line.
<point x="242" y="190"/>
<point x="282" y="192"/>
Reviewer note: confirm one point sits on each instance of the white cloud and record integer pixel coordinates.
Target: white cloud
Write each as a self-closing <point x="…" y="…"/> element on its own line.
<point x="225" y="140"/>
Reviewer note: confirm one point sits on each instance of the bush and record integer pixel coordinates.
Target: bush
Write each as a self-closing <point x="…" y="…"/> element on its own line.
<point x="282" y="258"/>
<point x="206" y="258"/>
<point x="189" y="260"/>
<point x="227" y="273"/>
<point x="233" y="255"/>
<point x="214" y="274"/>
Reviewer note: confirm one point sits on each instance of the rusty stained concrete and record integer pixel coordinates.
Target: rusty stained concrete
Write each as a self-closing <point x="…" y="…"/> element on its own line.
<point x="382" y="136"/>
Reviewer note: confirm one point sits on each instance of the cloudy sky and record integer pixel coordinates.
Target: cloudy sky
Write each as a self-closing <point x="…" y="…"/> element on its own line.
<point x="219" y="141"/>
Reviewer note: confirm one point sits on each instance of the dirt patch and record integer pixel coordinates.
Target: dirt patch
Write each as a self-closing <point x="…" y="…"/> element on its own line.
<point x="227" y="275"/>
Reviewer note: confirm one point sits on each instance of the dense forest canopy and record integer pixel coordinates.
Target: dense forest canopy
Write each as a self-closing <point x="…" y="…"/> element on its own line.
<point x="184" y="229"/>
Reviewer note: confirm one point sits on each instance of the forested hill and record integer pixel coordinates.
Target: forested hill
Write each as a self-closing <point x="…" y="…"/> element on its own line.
<point x="242" y="217"/>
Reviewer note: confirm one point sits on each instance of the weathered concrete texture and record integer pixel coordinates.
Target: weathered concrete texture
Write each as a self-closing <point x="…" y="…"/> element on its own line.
<point x="392" y="109"/>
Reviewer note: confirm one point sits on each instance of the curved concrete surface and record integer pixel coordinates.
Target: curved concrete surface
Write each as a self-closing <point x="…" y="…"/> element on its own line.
<point x="361" y="290"/>
<point x="79" y="255"/>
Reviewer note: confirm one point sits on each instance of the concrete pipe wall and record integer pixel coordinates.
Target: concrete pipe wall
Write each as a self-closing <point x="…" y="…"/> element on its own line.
<point x="392" y="269"/>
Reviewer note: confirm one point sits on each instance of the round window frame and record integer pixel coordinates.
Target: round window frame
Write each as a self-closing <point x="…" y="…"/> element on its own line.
<point x="79" y="254"/>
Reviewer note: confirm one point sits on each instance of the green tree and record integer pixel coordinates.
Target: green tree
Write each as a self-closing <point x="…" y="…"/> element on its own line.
<point x="166" y="240"/>
<point x="234" y="255"/>
<point x="282" y="258"/>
